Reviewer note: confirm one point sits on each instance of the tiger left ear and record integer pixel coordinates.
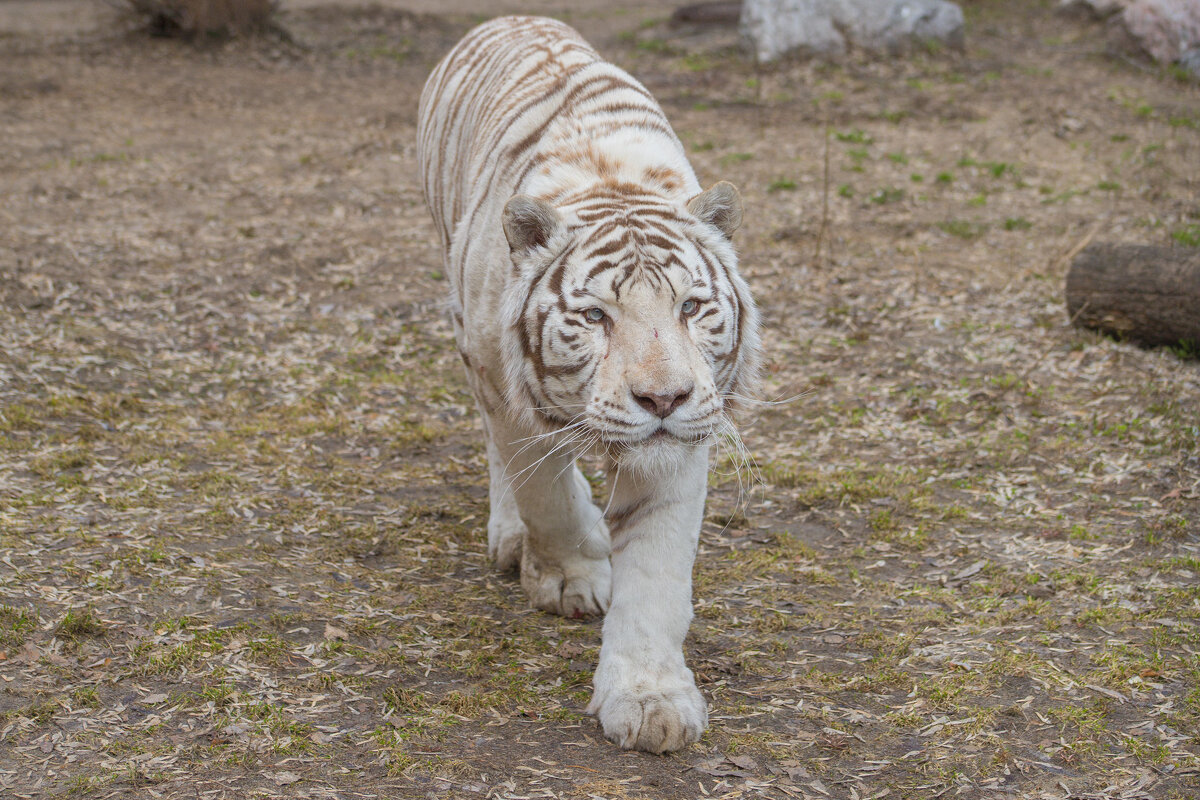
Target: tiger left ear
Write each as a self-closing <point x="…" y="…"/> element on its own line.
<point x="720" y="206"/>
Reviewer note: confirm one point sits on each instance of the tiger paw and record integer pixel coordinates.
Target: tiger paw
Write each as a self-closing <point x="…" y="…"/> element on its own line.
<point x="580" y="587"/>
<point x="505" y="540"/>
<point x="657" y="718"/>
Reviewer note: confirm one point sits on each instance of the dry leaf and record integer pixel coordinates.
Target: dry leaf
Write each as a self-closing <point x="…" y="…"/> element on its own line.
<point x="971" y="571"/>
<point x="744" y="762"/>
<point x="283" y="778"/>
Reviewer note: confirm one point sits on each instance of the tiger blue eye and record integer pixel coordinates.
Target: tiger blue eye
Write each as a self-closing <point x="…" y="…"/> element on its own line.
<point x="594" y="315"/>
<point x="689" y="307"/>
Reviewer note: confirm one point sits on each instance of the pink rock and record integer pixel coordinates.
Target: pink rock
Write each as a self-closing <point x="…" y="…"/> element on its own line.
<point x="1165" y="29"/>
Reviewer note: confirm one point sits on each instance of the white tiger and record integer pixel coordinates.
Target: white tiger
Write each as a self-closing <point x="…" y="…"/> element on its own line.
<point x="597" y="306"/>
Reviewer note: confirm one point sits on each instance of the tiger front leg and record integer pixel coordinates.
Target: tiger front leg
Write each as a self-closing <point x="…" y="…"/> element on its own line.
<point x="644" y="694"/>
<point x="544" y="499"/>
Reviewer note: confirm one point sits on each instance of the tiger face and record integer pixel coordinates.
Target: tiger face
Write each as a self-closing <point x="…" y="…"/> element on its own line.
<point x="629" y="326"/>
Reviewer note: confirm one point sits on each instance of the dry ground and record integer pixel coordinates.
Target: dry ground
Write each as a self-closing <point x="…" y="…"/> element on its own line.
<point x="242" y="493"/>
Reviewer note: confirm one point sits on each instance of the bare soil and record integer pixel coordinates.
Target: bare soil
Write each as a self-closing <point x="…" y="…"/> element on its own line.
<point x="242" y="493"/>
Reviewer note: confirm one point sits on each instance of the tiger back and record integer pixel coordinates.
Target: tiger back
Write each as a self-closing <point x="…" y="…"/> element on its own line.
<point x="525" y="104"/>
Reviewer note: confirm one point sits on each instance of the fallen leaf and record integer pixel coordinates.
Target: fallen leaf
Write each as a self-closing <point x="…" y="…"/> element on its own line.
<point x="283" y="778"/>
<point x="794" y="770"/>
<point x="744" y="762"/>
<point x="970" y="571"/>
<point x="29" y="653"/>
<point x="719" y="768"/>
<point x="568" y="649"/>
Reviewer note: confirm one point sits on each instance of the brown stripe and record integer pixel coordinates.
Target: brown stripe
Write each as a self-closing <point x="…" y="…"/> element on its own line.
<point x="622" y="519"/>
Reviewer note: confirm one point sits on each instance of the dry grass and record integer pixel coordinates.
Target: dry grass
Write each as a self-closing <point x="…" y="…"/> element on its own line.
<point x="242" y="494"/>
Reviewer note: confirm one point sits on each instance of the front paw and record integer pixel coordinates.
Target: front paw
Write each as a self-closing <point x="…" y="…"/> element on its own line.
<point x="576" y="588"/>
<point x="657" y="716"/>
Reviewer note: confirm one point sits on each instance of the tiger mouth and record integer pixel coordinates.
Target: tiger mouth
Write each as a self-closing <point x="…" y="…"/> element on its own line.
<point x="659" y="435"/>
<point x="615" y="446"/>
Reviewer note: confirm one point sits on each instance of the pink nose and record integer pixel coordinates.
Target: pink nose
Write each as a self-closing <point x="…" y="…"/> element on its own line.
<point x="662" y="405"/>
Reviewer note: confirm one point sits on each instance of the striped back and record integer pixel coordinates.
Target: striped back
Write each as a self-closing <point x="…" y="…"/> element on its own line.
<point x="525" y="105"/>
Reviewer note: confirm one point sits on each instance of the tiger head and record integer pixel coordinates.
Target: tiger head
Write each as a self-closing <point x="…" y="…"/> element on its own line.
<point x="627" y="323"/>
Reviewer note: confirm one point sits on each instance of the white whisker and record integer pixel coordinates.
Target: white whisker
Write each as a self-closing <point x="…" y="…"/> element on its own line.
<point x="574" y="422"/>
<point x="573" y="437"/>
<point x="756" y="401"/>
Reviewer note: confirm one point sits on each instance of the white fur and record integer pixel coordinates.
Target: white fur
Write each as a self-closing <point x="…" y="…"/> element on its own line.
<point x="543" y="518"/>
<point x="645" y="696"/>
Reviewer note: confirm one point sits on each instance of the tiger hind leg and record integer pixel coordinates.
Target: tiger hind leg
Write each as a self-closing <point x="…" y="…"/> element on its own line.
<point x="506" y="531"/>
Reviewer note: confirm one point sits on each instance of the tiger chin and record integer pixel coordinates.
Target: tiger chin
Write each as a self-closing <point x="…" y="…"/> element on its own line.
<point x="597" y="306"/>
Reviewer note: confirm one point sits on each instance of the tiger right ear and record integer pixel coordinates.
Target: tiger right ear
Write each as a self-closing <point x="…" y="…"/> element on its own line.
<point x="529" y="223"/>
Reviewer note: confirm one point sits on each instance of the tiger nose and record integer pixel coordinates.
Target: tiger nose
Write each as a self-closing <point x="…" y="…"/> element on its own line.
<point x="662" y="405"/>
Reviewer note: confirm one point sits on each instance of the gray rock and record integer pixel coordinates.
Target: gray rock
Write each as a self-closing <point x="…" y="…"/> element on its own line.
<point x="1165" y="29"/>
<point x="1190" y="61"/>
<point x="831" y="27"/>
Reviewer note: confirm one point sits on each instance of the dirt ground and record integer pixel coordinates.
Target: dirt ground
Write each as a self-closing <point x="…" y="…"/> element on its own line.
<point x="242" y="493"/>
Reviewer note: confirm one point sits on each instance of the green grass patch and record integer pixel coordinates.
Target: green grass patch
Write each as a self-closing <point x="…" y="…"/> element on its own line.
<point x="887" y="194"/>
<point x="15" y="626"/>
<point x="963" y="229"/>
<point x="735" y="158"/>
<point x="1188" y="235"/>
<point x="853" y="136"/>
<point x="79" y="624"/>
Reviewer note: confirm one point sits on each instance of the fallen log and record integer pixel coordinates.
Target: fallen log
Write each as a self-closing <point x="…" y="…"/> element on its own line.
<point x="1142" y="293"/>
